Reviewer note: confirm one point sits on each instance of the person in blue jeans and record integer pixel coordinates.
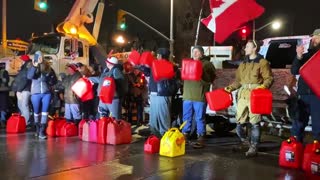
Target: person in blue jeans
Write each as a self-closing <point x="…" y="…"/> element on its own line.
<point x="308" y="102"/>
<point x="194" y="103"/>
<point x="43" y="78"/>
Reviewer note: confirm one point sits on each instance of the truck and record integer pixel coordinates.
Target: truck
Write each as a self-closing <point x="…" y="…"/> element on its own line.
<point x="71" y="44"/>
<point x="280" y="52"/>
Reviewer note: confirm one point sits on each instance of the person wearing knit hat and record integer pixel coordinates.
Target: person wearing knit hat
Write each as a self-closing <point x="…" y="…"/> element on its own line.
<point x="194" y="102"/>
<point x="22" y="85"/>
<point x="164" y="53"/>
<point x="72" y="104"/>
<point x="114" y="70"/>
<point x="309" y="103"/>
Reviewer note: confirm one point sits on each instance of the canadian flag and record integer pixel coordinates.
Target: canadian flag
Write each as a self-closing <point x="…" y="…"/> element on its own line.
<point x="228" y="15"/>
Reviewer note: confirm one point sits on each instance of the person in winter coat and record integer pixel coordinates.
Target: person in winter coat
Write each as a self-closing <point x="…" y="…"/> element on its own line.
<point x="113" y="70"/>
<point x="253" y="73"/>
<point x="43" y="79"/>
<point x="194" y="103"/>
<point x="23" y="87"/>
<point x="4" y="94"/>
<point x="72" y="103"/>
<point x="308" y="102"/>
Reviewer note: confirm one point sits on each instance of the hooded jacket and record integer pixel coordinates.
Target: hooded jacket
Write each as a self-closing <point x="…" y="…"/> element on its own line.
<point x="41" y="81"/>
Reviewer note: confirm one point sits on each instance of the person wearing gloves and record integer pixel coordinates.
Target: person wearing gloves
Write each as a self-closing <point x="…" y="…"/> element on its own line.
<point x="253" y="73"/>
<point x="43" y="79"/>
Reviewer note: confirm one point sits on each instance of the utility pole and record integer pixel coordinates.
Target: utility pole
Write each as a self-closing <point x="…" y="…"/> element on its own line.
<point x="4" y="26"/>
<point x="171" y="42"/>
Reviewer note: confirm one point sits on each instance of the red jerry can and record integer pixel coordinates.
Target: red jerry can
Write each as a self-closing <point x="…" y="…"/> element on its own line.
<point x="219" y="99"/>
<point x="69" y="129"/>
<point x="93" y="131"/>
<point x="152" y="145"/>
<point x="291" y="153"/>
<point x="162" y="69"/>
<point x="83" y="89"/>
<point x="261" y="101"/>
<point x="59" y="122"/>
<point x="119" y="132"/>
<point x="147" y="58"/>
<point x="310" y="72"/>
<point x="80" y="130"/>
<point x="85" y="131"/>
<point x="102" y="130"/>
<point x="51" y="129"/>
<point x="191" y="70"/>
<point x="311" y="158"/>
<point x="16" y="124"/>
<point x="134" y="57"/>
<point x="107" y="90"/>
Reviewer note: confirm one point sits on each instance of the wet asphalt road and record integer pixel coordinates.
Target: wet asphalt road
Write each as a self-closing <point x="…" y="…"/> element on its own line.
<point x="24" y="157"/>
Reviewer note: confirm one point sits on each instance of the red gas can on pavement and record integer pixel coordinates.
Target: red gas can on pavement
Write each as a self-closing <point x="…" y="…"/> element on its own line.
<point x="93" y="131"/>
<point x="16" y="124"/>
<point x="80" y="130"/>
<point x="291" y="153"/>
<point x="119" y="132"/>
<point x="162" y="69"/>
<point x="85" y="131"/>
<point x="51" y="128"/>
<point x="311" y="159"/>
<point x="146" y="58"/>
<point x="107" y="90"/>
<point x="69" y="129"/>
<point x="261" y="101"/>
<point x="102" y="130"/>
<point x="134" y="57"/>
<point x="59" y="123"/>
<point x="219" y="99"/>
<point x="191" y="70"/>
<point x="83" y="89"/>
<point x="310" y="72"/>
<point x="152" y="145"/>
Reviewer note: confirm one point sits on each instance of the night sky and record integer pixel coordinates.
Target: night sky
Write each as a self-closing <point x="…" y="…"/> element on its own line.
<point x="300" y="17"/>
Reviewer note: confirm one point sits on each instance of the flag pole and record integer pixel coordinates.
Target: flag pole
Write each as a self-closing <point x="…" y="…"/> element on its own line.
<point x="199" y="20"/>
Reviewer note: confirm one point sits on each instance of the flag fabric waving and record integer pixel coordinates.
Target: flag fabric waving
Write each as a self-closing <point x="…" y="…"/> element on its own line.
<point x="228" y="15"/>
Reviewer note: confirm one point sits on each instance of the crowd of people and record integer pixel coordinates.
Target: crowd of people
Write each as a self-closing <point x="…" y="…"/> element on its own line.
<point x="37" y="83"/>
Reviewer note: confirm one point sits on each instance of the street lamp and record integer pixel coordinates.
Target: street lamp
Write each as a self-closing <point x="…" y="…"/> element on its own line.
<point x="120" y="39"/>
<point x="274" y="24"/>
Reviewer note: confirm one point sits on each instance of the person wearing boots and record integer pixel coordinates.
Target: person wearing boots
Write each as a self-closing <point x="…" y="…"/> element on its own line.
<point x="43" y="79"/>
<point x="194" y="103"/>
<point x="71" y="102"/>
<point x="4" y="94"/>
<point x="308" y="103"/>
<point x="253" y="73"/>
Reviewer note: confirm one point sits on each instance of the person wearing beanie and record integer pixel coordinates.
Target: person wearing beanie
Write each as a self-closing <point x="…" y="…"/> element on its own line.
<point x="194" y="102"/>
<point x="72" y="104"/>
<point x="22" y="85"/>
<point x="43" y="79"/>
<point x="309" y="103"/>
<point x="114" y="70"/>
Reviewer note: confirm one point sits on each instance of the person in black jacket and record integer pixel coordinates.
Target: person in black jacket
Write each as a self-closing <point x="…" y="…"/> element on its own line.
<point x="308" y="103"/>
<point x="72" y="104"/>
<point x="23" y="86"/>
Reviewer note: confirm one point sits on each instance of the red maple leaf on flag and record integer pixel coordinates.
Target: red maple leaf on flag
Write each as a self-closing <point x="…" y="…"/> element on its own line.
<point x="215" y="3"/>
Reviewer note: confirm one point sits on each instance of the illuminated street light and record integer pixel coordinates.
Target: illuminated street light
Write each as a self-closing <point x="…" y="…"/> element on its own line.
<point x="275" y="26"/>
<point x="120" y="40"/>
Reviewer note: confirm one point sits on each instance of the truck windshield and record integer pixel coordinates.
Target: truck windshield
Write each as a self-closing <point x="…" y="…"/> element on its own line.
<point x="46" y="44"/>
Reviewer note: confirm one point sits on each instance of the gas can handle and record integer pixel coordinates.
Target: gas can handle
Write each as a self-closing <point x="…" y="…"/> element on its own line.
<point x="182" y="125"/>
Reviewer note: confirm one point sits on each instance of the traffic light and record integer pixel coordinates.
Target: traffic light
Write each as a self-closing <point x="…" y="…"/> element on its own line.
<point x="41" y="5"/>
<point x="121" y="20"/>
<point x="244" y="32"/>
